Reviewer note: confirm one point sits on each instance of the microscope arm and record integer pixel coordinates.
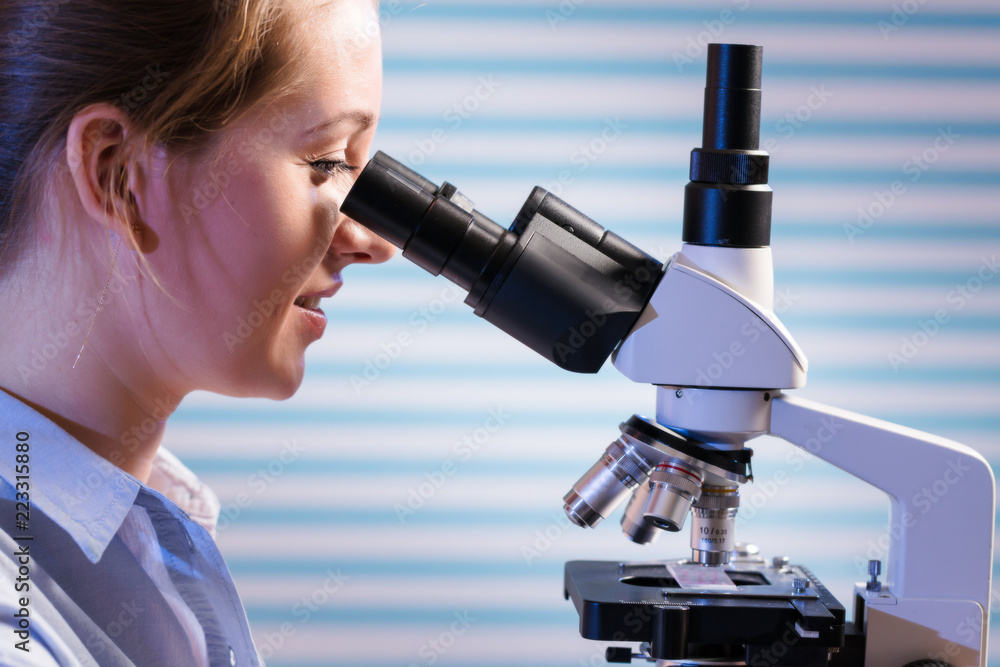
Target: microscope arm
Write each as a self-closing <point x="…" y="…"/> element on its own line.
<point x="940" y="520"/>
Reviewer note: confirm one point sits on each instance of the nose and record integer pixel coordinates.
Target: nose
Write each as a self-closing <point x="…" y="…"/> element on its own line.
<point x="358" y="244"/>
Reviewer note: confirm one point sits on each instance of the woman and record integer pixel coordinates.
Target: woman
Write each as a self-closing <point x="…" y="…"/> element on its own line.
<point x="172" y="177"/>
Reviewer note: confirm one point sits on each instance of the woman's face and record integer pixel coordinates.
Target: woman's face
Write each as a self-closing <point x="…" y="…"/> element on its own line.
<point x="249" y="243"/>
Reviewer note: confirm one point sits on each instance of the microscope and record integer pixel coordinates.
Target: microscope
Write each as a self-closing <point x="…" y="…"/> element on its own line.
<point x="577" y="294"/>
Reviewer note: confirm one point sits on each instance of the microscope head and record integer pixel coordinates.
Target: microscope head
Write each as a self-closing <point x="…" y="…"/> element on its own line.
<point x="555" y="280"/>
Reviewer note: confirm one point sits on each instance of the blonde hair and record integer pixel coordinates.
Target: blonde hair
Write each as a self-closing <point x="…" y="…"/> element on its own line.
<point x="180" y="70"/>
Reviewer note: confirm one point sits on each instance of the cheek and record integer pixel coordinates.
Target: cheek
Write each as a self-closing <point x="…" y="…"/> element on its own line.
<point x="253" y="230"/>
<point x="227" y="250"/>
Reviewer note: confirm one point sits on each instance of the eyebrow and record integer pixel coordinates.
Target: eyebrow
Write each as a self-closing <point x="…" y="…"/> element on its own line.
<point x="362" y="118"/>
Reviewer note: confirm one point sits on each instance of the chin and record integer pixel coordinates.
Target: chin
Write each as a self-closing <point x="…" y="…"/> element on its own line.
<point x="276" y="382"/>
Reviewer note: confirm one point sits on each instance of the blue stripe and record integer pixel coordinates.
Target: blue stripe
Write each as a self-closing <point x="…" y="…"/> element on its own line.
<point x="690" y="127"/>
<point x="817" y="18"/>
<point x="943" y="279"/>
<point x="541" y="415"/>
<point x="542" y="570"/>
<point x="418" y="467"/>
<point x="984" y="372"/>
<point x="903" y="323"/>
<point x="835" y="230"/>
<point x="666" y="68"/>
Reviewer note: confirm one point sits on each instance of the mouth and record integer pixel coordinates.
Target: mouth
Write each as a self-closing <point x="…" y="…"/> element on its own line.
<point x="308" y="302"/>
<point x="312" y="300"/>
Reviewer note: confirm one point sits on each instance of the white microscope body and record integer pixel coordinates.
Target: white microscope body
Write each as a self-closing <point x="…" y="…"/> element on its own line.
<point x="935" y="602"/>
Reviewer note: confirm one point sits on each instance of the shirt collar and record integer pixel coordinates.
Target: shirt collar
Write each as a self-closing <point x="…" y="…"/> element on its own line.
<point x="80" y="491"/>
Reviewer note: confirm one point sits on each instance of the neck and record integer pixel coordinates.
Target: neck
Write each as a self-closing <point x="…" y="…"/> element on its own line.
<point x="112" y="401"/>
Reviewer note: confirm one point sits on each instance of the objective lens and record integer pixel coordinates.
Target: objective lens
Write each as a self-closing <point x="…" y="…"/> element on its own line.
<point x="635" y="525"/>
<point x="675" y="486"/>
<point x="602" y="488"/>
<point x="713" y="526"/>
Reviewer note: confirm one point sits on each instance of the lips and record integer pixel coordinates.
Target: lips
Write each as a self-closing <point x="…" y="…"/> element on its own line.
<point x="311" y="300"/>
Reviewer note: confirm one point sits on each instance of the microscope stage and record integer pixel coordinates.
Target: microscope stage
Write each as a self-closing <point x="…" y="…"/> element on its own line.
<point x="745" y="608"/>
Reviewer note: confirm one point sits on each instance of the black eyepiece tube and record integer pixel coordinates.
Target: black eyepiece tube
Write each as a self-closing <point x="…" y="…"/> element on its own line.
<point x="728" y="203"/>
<point x="555" y="280"/>
<point x="390" y="198"/>
<point x="732" y="97"/>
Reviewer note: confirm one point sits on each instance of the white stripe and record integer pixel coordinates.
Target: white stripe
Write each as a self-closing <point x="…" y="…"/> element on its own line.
<point x="408" y="35"/>
<point x="410" y="646"/>
<point x="957" y="6"/>
<point x="605" y="395"/>
<point x="602" y="96"/>
<point x="634" y="148"/>
<point x="660" y="205"/>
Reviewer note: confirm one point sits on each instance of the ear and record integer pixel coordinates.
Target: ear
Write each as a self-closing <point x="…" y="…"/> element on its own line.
<point x="95" y="144"/>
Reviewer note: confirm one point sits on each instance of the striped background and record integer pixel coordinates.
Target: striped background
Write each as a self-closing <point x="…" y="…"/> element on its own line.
<point x="330" y="570"/>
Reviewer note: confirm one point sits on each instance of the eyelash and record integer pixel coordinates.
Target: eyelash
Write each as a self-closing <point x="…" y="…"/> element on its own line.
<point x="331" y="167"/>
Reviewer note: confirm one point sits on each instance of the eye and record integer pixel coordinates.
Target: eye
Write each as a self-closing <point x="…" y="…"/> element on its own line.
<point x="332" y="167"/>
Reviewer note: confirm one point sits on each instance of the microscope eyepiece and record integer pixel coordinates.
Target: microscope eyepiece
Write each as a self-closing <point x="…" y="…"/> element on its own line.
<point x="731" y="118"/>
<point x="728" y="203"/>
<point x="555" y="280"/>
